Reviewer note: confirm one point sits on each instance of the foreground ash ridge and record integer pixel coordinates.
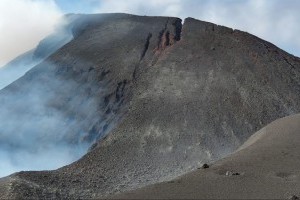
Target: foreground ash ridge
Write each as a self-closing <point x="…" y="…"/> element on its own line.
<point x="246" y="174"/>
<point x="156" y="97"/>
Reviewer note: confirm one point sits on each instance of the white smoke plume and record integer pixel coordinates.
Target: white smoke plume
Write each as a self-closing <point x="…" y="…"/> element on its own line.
<point x="23" y="23"/>
<point x="20" y="65"/>
<point x="41" y="126"/>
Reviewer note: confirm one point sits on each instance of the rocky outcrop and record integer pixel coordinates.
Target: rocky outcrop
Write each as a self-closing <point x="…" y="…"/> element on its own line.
<point x="169" y="98"/>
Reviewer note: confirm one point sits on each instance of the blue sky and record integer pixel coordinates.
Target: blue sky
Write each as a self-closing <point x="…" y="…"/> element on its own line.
<point x="276" y="21"/>
<point x="77" y="6"/>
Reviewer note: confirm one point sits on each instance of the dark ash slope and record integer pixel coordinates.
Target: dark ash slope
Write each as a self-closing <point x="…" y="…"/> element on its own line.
<point x="186" y="95"/>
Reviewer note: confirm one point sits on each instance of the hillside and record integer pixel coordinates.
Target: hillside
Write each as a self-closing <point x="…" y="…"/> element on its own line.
<point x="266" y="167"/>
<point x="157" y="98"/>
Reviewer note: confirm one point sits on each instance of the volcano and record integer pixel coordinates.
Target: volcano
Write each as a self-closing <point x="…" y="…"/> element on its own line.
<point x="145" y="100"/>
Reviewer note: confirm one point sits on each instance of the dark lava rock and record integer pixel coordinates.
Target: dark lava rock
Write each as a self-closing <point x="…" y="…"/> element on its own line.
<point x="229" y="173"/>
<point x="205" y="166"/>
<point x="294" y="197"/>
